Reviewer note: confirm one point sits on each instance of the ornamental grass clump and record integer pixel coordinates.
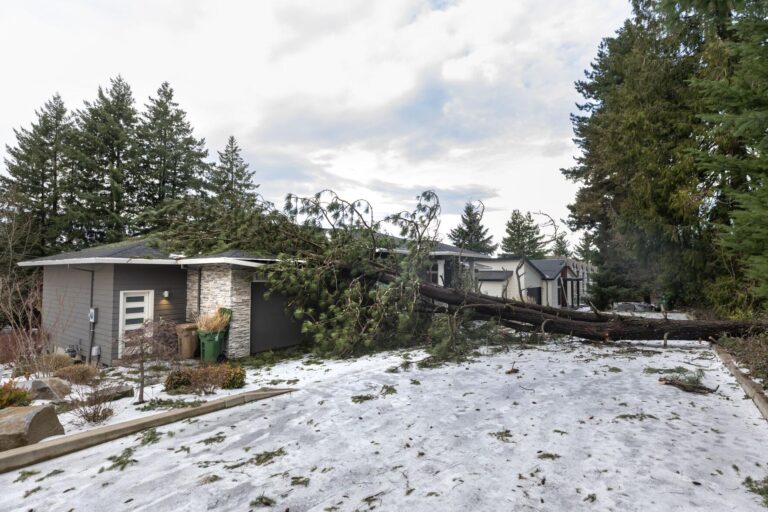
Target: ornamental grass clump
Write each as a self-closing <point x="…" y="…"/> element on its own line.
<point x="213" y="322"/>
<point x="11" y="396"/>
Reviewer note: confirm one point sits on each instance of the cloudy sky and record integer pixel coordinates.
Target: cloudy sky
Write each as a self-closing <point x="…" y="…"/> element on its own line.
<point x="378" y="100"/>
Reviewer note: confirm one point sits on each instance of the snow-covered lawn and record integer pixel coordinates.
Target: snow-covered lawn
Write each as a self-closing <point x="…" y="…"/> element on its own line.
<point x="578" y="427"/>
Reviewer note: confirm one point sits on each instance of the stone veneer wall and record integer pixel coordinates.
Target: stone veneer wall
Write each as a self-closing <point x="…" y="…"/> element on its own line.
<point x="226" y="287"/>
<point x="240" y="328"/>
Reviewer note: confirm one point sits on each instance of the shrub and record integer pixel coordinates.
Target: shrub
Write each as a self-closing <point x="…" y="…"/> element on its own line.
<point x="234" y="377"/>
<point x="8" y="353"/>
<point x="178" y="379"/>
<point x="11" y="396"/>
<point x="50" y="363"/>
<point x="205" y="379"/>
<point x="93" y="407"/>
<point x="78" y="374"/>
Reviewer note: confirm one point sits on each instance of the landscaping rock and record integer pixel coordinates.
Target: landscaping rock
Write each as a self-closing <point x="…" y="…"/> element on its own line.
<point x="113" y="393"/>
<point x="46" y="389"/>
<point x="20" y="426"/>
<point x="60" y="387"/>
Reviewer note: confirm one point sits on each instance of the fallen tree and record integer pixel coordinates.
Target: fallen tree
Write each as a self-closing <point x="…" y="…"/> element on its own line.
<point x="590" y="326"/>
<point x="355" y="288"/>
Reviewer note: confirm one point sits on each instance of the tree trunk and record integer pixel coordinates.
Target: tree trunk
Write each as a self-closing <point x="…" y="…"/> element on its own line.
<point x="590" y="326"/>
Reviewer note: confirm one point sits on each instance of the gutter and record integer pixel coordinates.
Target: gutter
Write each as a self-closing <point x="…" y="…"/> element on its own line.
<point x="96" y="261"/>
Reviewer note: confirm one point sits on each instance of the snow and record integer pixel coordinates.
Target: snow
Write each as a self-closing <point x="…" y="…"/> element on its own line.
<point x="431" y="445"/>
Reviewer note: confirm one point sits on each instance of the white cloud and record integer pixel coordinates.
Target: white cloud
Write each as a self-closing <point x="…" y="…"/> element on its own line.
<point x="376" y="99"/>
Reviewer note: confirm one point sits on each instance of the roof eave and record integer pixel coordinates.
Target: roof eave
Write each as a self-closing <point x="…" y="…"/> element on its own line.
<point x="97" y="261"/>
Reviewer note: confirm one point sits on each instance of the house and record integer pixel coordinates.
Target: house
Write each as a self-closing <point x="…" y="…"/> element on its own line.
<point x="549" y="281"/>
<point x="92" y="297"/>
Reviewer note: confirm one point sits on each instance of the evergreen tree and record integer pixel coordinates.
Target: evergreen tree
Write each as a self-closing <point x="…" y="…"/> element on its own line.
<point x="470" y="234"/>
<point x="101" y="199"/>
<point x="560" y="246"/>
<point x="172" y="160"/>
<point x="523" y="237"/>
<point x="585" y="249"/>
<point x="642" y="189"/>
<point x="230" y="181"/>
<point x="38" y="167"/>
<point x="737" y="115"/>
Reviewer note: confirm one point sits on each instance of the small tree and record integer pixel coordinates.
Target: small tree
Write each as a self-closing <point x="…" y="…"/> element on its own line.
<point x="523" y="237"/>
<point x="155" y="341"/>
<point x="471" y="234"/>
<point x="560" y="246"/>
<point x="585" y="249"/>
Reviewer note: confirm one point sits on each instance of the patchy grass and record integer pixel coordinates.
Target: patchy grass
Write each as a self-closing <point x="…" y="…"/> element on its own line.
<point x="300" y="480"/>
<point x="122" y="461"/>
<point x="639" y="417"/>
<point x="263" y="501"/>
<point x="548" y="456"/>
<point x="149" y="436"/>
<point x="502" y="435"/>
<point x="168" y="403"/>
<point x="752" y="353"/>
<point x="358" y="399"/>
<point x="614" y="369"/>
<point x="218" y="438"/>
<point x="653" y="370"/>
<point x="30" y="492"/>
<point x="416" y="382"/>
<point x="260" y="459"/>
<point x="759" y="487"/>
<point x="24" y="475"/>
<point x="387" y="390"/>
<point x="50" y="474"/>
<point x="209" y="479"/>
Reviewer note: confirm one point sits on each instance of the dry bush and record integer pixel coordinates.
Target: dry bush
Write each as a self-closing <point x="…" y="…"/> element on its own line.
<point x="93" y="407"/>
<point x="7" y="348"/>
<point x="213" y="322"/>
<point x="83" y="374"/>
<point x="11" y="396"/>
<point x="205" y="379"/>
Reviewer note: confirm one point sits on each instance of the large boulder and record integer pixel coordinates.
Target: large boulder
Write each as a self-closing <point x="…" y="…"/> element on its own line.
<point x="110" y="394"/>
<point x="51" y="388"/>
<point x="20" y="426"/>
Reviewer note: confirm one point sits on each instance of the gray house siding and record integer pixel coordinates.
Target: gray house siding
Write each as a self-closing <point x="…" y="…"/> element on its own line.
<point x="66" y="295"/>
<point x="159" y="278"/>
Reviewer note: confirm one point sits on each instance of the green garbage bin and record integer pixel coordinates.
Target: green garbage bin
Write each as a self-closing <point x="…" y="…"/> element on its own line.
<point x="210" y="344"/>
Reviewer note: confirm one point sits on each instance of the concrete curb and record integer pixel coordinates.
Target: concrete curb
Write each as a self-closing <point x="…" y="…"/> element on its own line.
<point x="750" y="387"/>
<point x="26" y="455"/>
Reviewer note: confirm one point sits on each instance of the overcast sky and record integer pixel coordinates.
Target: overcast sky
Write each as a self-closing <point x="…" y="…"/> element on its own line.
<point x="378" y="100"/>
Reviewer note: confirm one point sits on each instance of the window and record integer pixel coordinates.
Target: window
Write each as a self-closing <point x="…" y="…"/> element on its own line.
<point x="136" y="307"/>
<point x="433" y="274"/>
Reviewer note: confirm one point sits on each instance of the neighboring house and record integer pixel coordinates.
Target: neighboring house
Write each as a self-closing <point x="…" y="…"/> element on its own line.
<point x="548" y="282"/>
<point x="446" y="260"/>
<point x="128" y="283"/>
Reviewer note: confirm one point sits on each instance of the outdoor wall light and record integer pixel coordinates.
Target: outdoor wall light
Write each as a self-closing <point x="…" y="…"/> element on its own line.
<point x="166" y="294"/>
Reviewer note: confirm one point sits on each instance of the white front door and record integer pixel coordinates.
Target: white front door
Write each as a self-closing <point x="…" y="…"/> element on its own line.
<point x="136" y="307"/>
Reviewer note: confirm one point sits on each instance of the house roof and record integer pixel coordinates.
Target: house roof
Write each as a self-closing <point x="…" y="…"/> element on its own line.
<point x="440" y="249"/>
<point x="495" y="275"/>
<point x="550" y="268"/>
<point x="141" y="251"/>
